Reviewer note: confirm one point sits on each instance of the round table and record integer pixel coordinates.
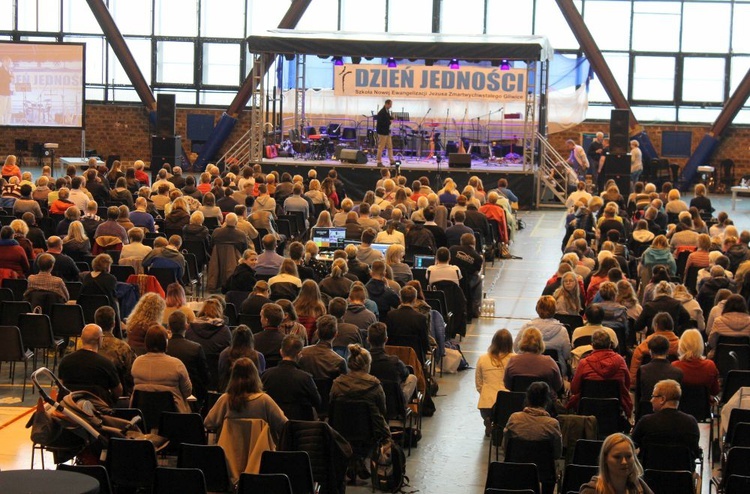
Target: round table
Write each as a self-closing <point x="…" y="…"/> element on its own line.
<point x="47" y="481"/>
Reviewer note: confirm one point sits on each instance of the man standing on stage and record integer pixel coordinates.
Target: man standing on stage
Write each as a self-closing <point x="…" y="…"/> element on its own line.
<point x="593" y="153"/>
<point x="383" y="129"/>
<point x="577" y="158"/>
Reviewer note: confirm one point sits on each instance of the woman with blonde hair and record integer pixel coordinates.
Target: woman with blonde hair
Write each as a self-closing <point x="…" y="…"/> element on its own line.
<point x="626" y="296"/>
<point x="311" y="260"/>
<point x="148" y="311"/>
<point x="76" y="244"/>
<point x="675" y="205"/>
<point x="531" y="362"/>
<point x="324" y="220"/>
<point x="394" y="257"/>
<point x="309" y="306"/>
<point x="316" y="195"/>
<point x="287" y="283"/>
<point x="620" y="472"/>
<point x="10" y="169"/>
<point x="20" y="230"/>
<point x="178" y="216"/>
<point x="568" y="295"/>
<point x="337" y="284"/>
<point x="696" y="369"/>
<point x="176" y="301"/>
<point x="197" y="231"/>
<point x="681" y="294"/>
<point x="490" y="374"/>
<point x="659" y="253"/>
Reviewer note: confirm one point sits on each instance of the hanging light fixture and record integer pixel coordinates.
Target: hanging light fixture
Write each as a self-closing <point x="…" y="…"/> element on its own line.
<point x="391" y="63"/>
<point x="505" y="65"/>
<point x="454" y="64"/>
<point x="338" y="61"/>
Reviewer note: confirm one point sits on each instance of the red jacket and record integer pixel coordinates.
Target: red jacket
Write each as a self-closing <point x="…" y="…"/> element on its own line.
<point x="142" y="177"/>
<point x="497" y="213"/>
<point x="602" y="365"/>
<point x="12" y="256"/>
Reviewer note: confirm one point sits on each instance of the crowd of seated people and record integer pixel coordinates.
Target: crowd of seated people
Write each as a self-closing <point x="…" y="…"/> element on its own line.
<point x="310" y="317"/>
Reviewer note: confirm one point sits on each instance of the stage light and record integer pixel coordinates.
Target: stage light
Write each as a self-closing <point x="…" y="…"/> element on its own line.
<point x="454" y="64"/>
<point x="391" y="63"/>
<point x="356" y="60"/>
<point x="505" y="65"/>
<point x="338" y="61"/>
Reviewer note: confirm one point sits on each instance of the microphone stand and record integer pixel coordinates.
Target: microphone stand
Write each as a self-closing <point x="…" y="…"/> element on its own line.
<point x="445" y="134"/>
<point x="419" y="134"/>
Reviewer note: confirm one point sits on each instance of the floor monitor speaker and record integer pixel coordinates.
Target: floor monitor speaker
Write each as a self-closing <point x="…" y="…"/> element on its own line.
<point x="459" y="160"/>
<point x="165" y="150"/>
<point x="353" y="156"/>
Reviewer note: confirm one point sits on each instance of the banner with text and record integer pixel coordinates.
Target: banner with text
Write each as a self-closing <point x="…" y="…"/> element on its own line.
<point x="419" y="81"/>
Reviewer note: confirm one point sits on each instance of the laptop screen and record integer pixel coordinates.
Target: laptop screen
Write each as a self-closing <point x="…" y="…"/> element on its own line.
<point x="381" y="247"/>
<point x="329" y="238"/>
<point x="423" y="262"/>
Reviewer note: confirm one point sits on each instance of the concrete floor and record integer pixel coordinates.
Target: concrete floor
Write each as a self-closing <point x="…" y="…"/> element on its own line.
<point x="452" y="456"/>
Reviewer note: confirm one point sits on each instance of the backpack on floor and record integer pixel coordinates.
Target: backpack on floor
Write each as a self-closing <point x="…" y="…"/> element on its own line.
<point x="388" y="467"/>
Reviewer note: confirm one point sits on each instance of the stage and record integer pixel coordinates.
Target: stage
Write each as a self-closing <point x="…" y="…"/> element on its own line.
<point x="359" y="178"/>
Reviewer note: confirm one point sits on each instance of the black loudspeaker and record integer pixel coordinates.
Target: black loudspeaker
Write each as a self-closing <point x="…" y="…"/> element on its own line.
<point x="353" y="156"/>
<point x="165" y="150"/>
<point x="459" y="160"/>
<point x="166" y="113"/>
<point x="617" y="168"/>
<point x="619" y="131"/>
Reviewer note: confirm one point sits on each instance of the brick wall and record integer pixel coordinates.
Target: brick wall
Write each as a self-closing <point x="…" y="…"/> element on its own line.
<point x="114" y="129"/>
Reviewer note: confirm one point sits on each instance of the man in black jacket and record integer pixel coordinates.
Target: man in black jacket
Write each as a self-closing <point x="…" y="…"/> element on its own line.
<point x="407" y="325"/>
<point x="290" y="387"/>
<point x="383" y="129"/>
<point x="388" y="367"/>
<point x="190" y="353"/>
<point x="268" y="341"/>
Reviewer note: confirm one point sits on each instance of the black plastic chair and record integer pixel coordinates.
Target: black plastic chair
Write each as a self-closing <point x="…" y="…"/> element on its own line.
<point x="695" y="401"/>
<point x="211" y="460"/>
<point x="230" y="311"/>
<point x="671" y="457"/>
<point x="520" y="384"/>
<point x="736" y="463"/>
<point x="129" y="414"/>
<point x="577" y="475"/>
<point x="600" y="389"/>
<point x="131" y="463"/>
<point x="97" y="472"/>
<point x="11" y="311"/>
<point x="581" y="341"/>
<point x="252" y="321"/>
<point x="540" y="453"/>
<point x="726" y="363"/>
<point x="324" y="390"/>
<point x="737" y="416"/>
<point x="397" y="411"/>
<point x="269" y="483"/>
<point x="669" y="481"/>
<point x="12" y="350"/>
<point x="17" y="285"/>
<point x="509" y="475"/>
<point x="165" y="276"/>
<point x="153" y="404"/>
<point x="294" y="464"/>
<point x="74" y="289"/>
<point x="506" y="404"/>
<point x="351" y="419"/>
<point x="741" y="435"/>
<point x="179" y="481"/>
<point x="67" y="320"/>
<point x="181" y="428"/>
<point x="121" y="272"/>
<point x="737" y="484"/>
<point x="587" y="451"/>
<point x="6" y="295"/>
<point x="607" y="412"/>
<point x="36" y="331"/>
<point x="89" y="303"/>
<point x="236" y="297"/>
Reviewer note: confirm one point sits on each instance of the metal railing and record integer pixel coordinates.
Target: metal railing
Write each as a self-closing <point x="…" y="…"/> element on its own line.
<point x="555" y="176"/>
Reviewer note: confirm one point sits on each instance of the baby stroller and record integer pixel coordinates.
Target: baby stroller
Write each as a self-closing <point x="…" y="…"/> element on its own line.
<point x="79" y="425"/>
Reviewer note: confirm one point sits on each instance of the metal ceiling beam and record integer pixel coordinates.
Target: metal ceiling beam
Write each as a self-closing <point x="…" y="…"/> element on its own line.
<point x="595" y="57"/>
<point x="290" y="20"/>
<point x="732" y="107"/>
<point x="120" y="47"/>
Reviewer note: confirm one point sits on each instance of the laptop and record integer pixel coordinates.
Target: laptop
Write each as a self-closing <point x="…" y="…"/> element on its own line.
<point x="381" y="247"/>
<point x="423" y="262"/>
<point x="328" y="239"/>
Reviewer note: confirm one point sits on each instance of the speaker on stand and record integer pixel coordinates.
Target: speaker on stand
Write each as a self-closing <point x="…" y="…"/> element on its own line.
<point x="617" y="168"/>
<point x="619" y="132"/>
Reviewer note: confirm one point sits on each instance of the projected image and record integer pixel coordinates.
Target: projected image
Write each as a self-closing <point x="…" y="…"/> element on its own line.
<point x="41" y="85"/>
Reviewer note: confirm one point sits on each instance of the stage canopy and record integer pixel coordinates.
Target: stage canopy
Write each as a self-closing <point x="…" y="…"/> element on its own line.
<point x="414" y="46"/>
